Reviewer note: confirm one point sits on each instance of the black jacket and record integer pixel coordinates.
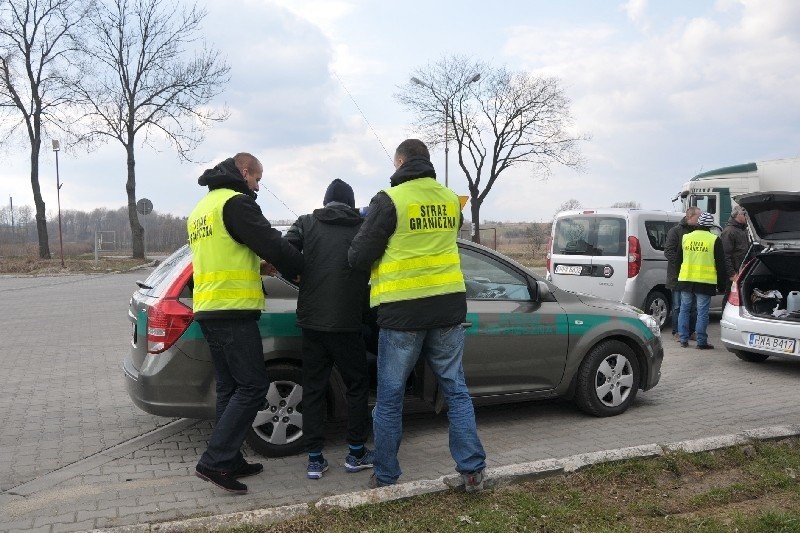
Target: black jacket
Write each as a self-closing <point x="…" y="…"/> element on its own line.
<point x="333" y="296"/>
<point x="368" y="246"/>
<point x="706" y="288"/>
<point x="735" y="244"/>
<point x="672" y="251"/>
<point x="245" y="222"/>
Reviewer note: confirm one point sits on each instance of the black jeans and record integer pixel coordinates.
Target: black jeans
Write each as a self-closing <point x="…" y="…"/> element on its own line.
<point x="321" y="350"/>
<point x="242" y="386"/>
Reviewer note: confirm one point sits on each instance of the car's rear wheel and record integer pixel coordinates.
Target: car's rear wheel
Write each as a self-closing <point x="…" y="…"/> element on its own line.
<point x="608" y="379"/>
<point x="278" y="428"/>
<point x="751" y="357"/>
<point x="658" y="305"/>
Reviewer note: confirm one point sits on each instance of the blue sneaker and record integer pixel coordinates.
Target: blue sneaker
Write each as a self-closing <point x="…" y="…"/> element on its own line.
<point x="316" y="469"/>
<point x="357" y="464"/>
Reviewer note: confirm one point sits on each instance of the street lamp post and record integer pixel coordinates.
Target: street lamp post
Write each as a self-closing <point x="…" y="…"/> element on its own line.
<point x="56" y="147"/>
<point x="445" y="104"/>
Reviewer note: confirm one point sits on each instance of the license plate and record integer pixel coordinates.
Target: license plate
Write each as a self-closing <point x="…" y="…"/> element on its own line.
<point x="571" y="270"/>
<point x="773" y="344"/>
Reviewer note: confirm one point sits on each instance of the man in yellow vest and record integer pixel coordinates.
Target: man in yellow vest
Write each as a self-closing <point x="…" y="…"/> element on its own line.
<point x="408" y="241"/>
<point x="701" y="274"/>
<point x="227" y="234"/>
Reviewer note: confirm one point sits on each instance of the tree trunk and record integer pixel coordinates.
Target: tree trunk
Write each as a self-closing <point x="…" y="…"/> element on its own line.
<point x="41" y="215"/>
<point x="475" y="210"/>
<point x="137" y="231"/>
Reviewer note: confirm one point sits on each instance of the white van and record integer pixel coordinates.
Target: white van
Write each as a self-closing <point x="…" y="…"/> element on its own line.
<point x="614" y="253"/>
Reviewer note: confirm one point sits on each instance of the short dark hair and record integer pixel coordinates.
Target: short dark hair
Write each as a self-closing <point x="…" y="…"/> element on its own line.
<point x="412" y="148"/>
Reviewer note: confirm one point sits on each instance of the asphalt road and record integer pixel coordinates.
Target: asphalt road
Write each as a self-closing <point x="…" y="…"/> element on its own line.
<point x="75" y="454"/>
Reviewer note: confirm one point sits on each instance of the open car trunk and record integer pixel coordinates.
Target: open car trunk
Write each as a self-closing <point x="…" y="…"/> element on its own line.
<point x="771" y="285"/>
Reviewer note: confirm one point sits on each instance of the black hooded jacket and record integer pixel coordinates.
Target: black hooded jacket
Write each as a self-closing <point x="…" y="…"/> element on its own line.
<point x="368" y="246"/>
<point x="735" y="243"/>
<point x="247" y="225"/>
<point x="672" y="251"/>
<point x="333" y="296"/>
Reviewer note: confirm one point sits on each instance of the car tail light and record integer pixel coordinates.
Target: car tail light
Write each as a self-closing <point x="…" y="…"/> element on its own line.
<point x="549" y="253"/>
<point x="634" y="257"/>
<point x="168" y="318"/>
<point x="166" y="322"/>
<point x="733" y="296"/>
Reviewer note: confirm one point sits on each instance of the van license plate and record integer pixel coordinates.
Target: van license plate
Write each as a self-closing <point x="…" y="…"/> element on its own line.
<point x="572" y="270"/>
<point x="774" y="344"/>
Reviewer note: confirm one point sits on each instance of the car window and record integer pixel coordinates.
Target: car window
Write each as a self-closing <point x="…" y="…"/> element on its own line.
<point x="590" y="235"/>
<point x="165" y="273"/>
<point x="488" y="279"/>
<point x="611" y="237"/>
<point x="657" y="232"/>
<point x="572" y="236"/>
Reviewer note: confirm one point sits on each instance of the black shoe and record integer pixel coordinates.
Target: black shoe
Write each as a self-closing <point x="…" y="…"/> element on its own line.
<point x="684" y="345"/>
<point x="223" y="480"/>
<point x="248" y="469"/>
<point x="705" y="346"/>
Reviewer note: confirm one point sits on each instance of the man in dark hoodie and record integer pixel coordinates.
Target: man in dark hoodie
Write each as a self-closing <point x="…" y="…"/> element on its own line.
<point x="227" y="234"/>
<point x="330" y="311"/>
<point x="735" y="244"/>
<point x="672" y="246"/>
<point x="408" y="241"/>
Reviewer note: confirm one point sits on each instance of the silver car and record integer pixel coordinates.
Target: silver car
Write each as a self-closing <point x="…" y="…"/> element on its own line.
<point x="762" y="316"/>
<point x="525" y="339"/>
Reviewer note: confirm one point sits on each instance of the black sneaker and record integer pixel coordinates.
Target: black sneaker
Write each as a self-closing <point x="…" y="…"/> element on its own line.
<point x="705" y="346"/>
<point x="684" y="345"/>
<point x="248" y="469"/>
<point x="223" y="480"/>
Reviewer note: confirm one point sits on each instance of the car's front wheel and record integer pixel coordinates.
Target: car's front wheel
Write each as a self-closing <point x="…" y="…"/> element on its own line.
<point x="751" y="357"/>
<point x="278" y="428"/>
<point x="608" y="379"/>
<point x="658" y="305"/>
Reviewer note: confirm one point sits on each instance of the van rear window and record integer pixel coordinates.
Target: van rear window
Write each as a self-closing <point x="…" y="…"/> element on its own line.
<point x="590" y="235"/>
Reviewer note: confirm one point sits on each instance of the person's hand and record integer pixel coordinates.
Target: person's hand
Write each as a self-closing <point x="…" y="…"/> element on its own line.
<point x="732" y="277"/>
<point x="267" y="269"/>
<point x="296" y="279"/>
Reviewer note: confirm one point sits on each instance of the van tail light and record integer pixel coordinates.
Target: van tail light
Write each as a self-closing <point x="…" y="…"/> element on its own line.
<point x="634" y="257"/>
<point x="166" y="322"/>
<point x="549" y="253"/>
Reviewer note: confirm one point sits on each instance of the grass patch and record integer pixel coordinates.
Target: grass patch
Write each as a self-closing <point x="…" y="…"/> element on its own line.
<point x="72" y="265"/>
<point x="751" y="488"/>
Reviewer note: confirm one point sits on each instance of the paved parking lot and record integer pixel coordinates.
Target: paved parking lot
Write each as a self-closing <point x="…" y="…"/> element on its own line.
<point x="75" y="454"/>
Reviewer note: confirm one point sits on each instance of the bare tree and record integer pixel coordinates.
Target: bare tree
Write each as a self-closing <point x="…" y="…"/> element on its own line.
<point x="153" y="76"/>
<point x="537" y="235"/>
<point x="632" y="204"/>
<point x="570" y="205"/>
<point x="37" y="51"/>
<point x="498" y="119"/>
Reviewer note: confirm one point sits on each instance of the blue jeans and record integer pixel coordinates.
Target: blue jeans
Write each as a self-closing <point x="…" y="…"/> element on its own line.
<point x="242" y="386"/>
<point x="676" y="311"/>
<point x="398" y="352"/>
<point x="703" y="302"/>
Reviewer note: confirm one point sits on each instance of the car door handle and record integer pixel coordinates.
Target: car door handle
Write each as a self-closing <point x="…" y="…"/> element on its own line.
<point x="466" y="325"/>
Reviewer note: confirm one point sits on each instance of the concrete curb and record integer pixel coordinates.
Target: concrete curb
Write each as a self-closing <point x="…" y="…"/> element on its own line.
<point x="495" y="477"/>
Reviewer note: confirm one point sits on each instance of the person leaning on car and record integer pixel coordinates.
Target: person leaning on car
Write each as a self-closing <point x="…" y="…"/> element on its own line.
<point x="735" y="244"/>
<point x="672" y="246"/>
<point x="408" y="241"/>
<point x="227" y="235"/>
<point x="330" y="309"/>
<point x="702" y="274"/>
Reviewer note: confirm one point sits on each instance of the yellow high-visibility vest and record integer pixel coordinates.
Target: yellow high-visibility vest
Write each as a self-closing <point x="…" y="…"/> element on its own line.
<point x="226" y="273"/>
<point x="698" y="258"/>
<point x="421" y="258"/>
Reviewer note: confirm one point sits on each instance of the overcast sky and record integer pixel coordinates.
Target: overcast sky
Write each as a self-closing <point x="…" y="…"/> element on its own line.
<point x="666" y="90"/>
